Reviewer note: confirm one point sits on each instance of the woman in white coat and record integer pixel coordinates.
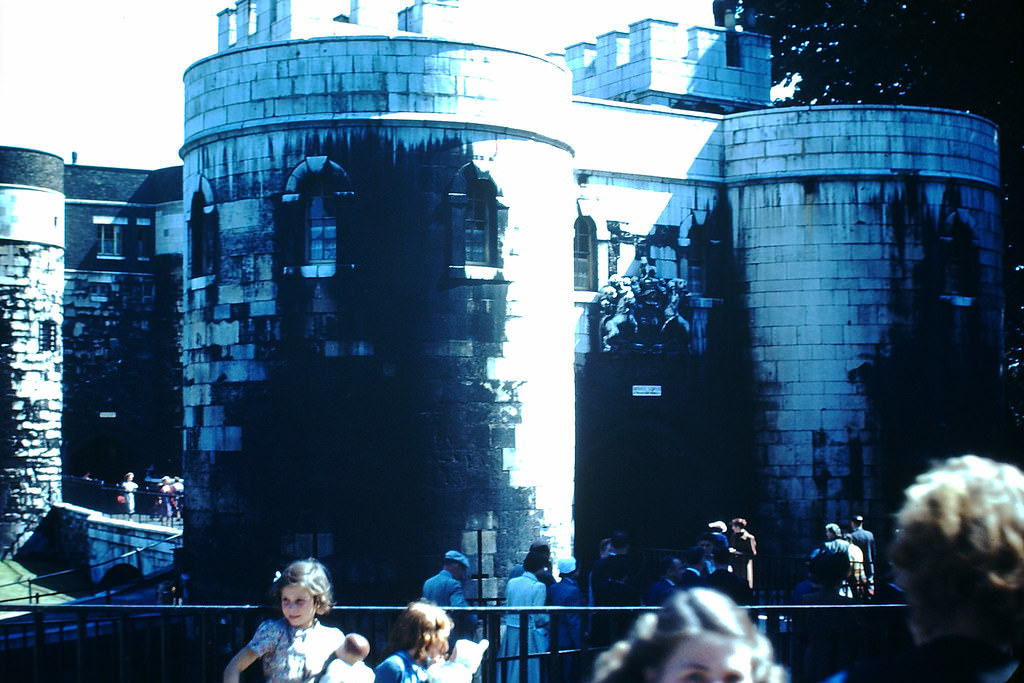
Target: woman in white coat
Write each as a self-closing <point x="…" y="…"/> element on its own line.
<point x="525" y="590"/>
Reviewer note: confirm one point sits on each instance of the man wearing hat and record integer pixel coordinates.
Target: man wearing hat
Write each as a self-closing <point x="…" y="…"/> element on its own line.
<point x="566" y="593"/>
<point x="445" y="589"/>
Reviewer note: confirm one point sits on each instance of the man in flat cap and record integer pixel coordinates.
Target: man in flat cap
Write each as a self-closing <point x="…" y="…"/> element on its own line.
<point x="445" y="589"/>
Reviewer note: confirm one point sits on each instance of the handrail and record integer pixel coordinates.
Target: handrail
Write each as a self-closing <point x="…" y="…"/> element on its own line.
<point x="36" y="579"/>
<point x="139" y="643"/>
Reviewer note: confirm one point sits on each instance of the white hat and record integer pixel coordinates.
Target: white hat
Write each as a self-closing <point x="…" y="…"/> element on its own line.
<point x="566" y="565"/>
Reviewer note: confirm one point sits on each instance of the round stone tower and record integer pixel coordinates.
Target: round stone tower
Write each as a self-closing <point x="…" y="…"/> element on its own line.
<point x="870" y="244"/>
<point x="31" y="288"/>
<point x="378" y="360"/>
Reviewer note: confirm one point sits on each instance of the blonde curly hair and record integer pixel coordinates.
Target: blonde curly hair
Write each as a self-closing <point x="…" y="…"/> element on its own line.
<point x="690" y="613"/>
<point x="959" y="549"/>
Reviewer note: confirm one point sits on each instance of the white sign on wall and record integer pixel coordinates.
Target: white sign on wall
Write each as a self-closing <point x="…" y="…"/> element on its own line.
<point x="647" y="390"/>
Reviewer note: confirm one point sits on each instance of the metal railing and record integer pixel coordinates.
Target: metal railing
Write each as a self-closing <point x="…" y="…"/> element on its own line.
<point x="36" y="587"/>
<point x="109" y="499"/>
<point x="162" y="643"/>
<point x="131" y="557"/>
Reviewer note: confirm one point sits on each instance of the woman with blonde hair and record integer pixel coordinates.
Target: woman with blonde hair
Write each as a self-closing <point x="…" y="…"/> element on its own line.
<point x="698" y="635"/>
<point x="959" y="557"/>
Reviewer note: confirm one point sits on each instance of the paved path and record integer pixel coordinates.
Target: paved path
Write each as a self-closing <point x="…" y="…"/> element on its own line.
<point x="12" y="572"/>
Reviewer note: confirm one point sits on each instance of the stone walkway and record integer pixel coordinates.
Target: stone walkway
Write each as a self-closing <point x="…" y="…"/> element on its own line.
<point x="63" y="588"/>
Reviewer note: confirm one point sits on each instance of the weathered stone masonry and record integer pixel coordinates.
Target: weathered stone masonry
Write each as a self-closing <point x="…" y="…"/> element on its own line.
<point x="393" y="381"/>
<point x="31" y="284"/>
<point x="402" y="243"/>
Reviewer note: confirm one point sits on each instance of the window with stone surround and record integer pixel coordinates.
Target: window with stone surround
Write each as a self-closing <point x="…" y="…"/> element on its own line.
<point x="480" y="223"/>
<point x="585" y="254"/>
<point x="476" y="218"/>
<point x="312" y="214"/>
<point x="110" y="236"/>
<point x="958" y="254"/>
<point x="204" y="236"/>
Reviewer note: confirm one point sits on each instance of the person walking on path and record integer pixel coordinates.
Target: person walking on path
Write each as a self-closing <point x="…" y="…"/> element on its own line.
<point x="129" y="487"/>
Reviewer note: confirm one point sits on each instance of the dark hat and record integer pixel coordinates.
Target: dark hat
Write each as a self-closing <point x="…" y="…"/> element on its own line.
<point x="456" y="556"/>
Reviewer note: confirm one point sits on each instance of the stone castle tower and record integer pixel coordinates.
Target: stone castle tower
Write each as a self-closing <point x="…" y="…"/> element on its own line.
<point x="31" y="286"/>
<point x="441" y="292"/>
<point x="377" y="344"/>
<point x="396" y="233"/>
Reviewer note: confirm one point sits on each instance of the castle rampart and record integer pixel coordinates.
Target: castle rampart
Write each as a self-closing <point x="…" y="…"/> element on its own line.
<point x="660" y="63"/>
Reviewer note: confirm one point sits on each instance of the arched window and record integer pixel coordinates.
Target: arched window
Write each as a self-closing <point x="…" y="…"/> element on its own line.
<point x="313" y="221"/>
<point x="585" y="254"/>
<point x="481" y="222"/>
<point x="203" y="230"/>
<point x="697" y="260"/>
<point x="477" y="219"/>
<point x="959" y="253"/>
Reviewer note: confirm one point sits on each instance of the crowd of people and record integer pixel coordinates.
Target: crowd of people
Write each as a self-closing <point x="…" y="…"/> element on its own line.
<point x="167" y="502"/>
<point x="842" y="569"/>
<point x="148" y="496"/>
<point x="958" y="556"/>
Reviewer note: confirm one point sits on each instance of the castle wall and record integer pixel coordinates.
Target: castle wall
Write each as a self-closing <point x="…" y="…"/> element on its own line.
<point x="836" y="270"/>
<point x="873" y="271"/>
<point x="854" y="329"/>
<point x="689" y="144"/>
<point x="397" y="383"/>
<point x="31" y="282"/>
<point x="122" y="322"/>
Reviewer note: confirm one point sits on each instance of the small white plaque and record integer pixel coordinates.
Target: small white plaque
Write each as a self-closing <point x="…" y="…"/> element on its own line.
<point x="647" y="390"/>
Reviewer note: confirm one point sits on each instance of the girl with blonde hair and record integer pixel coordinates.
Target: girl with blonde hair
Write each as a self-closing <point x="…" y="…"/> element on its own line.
<point x="296" y="648"/>
<point x="698" y="635"/>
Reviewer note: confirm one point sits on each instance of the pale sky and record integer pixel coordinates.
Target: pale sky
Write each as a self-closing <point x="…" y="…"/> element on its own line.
<point x="103" y="78"/>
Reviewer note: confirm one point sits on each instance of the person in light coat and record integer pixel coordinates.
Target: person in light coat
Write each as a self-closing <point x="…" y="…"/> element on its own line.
<point x="525" y="590"/>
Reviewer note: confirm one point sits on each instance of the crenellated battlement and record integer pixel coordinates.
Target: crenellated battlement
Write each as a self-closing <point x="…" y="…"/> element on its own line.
<point x="255" y="22"/>
<point x="656" y="62"/>
<point x="659" y="63"/>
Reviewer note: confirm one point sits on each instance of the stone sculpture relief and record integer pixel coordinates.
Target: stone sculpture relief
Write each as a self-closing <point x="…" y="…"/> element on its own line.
<point x="646" y="314"/>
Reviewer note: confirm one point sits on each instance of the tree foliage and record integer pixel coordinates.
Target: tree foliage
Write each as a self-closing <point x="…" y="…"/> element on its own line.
<point x="958" y="54"/>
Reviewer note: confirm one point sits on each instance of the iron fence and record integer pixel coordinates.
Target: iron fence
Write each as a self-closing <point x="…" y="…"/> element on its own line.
<point x="109" y="499"/>
<point x="168" y="643"/>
